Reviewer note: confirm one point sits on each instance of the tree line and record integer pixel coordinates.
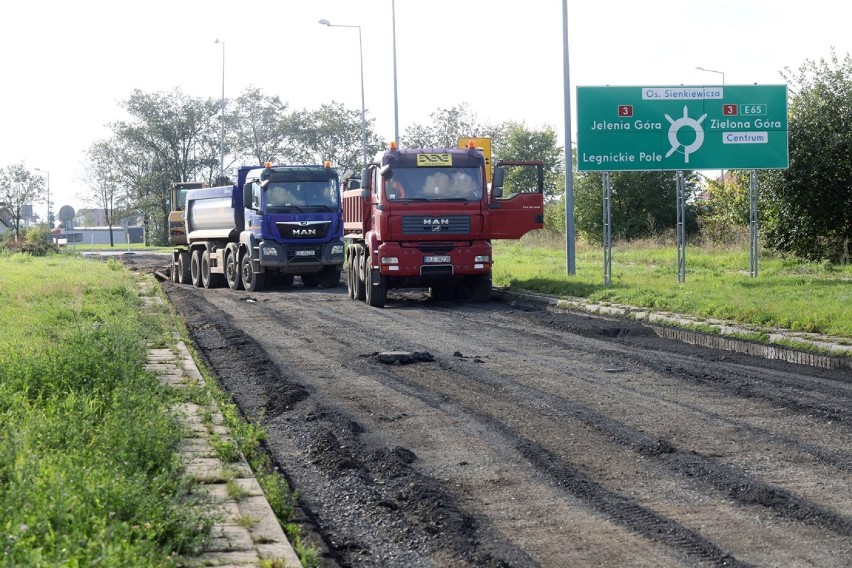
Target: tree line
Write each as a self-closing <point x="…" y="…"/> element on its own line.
<point x="805" y="210"/>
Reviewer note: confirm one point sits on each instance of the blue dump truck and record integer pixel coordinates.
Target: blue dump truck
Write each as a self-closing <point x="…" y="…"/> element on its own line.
<point x="276" y="223"/>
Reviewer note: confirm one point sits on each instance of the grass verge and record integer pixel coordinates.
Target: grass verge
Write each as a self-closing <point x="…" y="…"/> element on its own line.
<point x="89" y="467"/>
<point x="787" y="293"/>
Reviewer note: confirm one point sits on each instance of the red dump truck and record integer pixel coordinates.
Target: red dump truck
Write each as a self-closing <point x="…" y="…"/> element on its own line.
<point x="425" y="218"/>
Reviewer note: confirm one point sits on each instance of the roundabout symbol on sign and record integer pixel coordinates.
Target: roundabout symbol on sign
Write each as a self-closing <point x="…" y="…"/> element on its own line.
<point x="677" y="125"/>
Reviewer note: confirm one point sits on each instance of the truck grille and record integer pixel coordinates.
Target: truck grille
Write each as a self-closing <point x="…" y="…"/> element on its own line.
<point x="303" y="229"/>
<point x="436" y="247"/>
<point x="294" y="258"/>
<point x="436" y="225"/>
<point x="437" y="271"/>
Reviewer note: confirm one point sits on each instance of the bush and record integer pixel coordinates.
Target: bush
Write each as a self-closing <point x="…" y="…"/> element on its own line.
<point x="36" y="241"/>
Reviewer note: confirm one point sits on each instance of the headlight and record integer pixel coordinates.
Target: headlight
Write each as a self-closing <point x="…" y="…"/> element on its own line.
<point x="390" y="260"/>
<point x="270" y="251"/>
<point x="337" y="249"/>
<point x="482" y="258"/>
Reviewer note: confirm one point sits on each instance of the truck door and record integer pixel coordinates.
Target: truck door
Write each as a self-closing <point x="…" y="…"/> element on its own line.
<point x="513" y="217"/>
<point x="521" y="211"/>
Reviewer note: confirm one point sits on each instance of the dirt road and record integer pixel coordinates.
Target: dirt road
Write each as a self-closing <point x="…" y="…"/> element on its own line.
<point x="451" y="434"/>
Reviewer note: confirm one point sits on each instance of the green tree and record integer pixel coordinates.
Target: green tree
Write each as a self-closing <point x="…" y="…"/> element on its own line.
<point x="723" y="211"/>
<point x="447" y="126"/>
<point x="331" y="133"/>
<point x="256" y="122"/>
<point x="104" y="179"/>
<point x="170" y="137"/>
<point x="643" y="204"/>
<point x="19" y="187"/>
<point x="517" y="142"/>
<point x="807" y="209"/>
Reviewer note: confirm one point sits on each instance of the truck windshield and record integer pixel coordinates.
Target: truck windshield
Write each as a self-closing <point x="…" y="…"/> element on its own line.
<point x="302" y="196"/>
<point x="435" y="184"/>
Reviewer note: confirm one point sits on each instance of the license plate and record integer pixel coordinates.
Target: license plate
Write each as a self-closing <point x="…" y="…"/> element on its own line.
<point x="436" y="259"/>
<point x="304" y="253"/>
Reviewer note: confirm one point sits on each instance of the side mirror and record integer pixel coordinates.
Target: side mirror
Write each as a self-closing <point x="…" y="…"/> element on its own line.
<point x="498" y="177"/>
<point x="366" y="179"/>
<point x="365" y="193"/>
<point x="247" y="196"/>
<point x="386" y="172"/>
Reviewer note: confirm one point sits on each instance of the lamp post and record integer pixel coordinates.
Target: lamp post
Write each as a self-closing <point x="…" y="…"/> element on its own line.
<point x="48" y="195"/>
<point x="222" y="136"/>
<point x="722" y="73"/>
<point x="570" y="245"/>
<point x="395" y="98"/>
<point x="325" y="22"/>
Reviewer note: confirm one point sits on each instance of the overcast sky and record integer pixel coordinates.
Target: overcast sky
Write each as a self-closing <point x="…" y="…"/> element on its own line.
<point x="66" y="65"/>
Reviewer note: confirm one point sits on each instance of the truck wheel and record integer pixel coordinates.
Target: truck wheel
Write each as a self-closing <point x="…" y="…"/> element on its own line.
<point x="195" y="268"/>
<point x="350" y="275"/>
<point x="360" y="284"/>
<point x="251" y="282"/>
<point x="441" y="292"/>
<point x="311" y="280"/>
<point x="184" y="275"/>
<point x="329" y="277"/>
<point x="173" y="273"/>
<point x="480" y="289"/>
<point x="232" y="268"/>
<point x="377" y="287"/>
<point x="209" y="279"/>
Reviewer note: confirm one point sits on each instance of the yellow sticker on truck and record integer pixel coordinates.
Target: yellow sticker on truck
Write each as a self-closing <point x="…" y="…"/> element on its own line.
<point x="440" y="160"/>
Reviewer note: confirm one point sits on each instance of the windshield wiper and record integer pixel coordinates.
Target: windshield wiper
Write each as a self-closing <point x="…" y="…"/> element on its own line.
<point x="285" y="209"/>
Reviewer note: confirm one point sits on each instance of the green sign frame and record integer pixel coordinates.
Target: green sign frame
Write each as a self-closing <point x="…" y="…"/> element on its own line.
<point x="682" y="128"/>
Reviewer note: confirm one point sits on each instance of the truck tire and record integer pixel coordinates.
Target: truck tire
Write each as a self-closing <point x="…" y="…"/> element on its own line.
<point x="350" y="274"/>
<point x="311" y="280"/>
<point x="183" y="272"/>
<point x="232" y="268"/>
<point x="329" y="277"/>
<point x="441" y="292"/>
<point x="195" y="267"/>
<point x="209" y="279"/>
<point x="377" y="287"/>
<point x="251" y="282"/>
<point x="360" y="284"/>
<point x="480" y="289"/>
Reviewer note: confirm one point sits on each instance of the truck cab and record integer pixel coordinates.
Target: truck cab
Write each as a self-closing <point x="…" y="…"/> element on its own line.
<point x="425" y="218"/>
<point x="177" y="230"/>
<point x="275" y="223"/>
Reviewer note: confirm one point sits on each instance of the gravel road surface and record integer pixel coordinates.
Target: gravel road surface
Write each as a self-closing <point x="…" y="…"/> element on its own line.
<point x="451" y="434"/>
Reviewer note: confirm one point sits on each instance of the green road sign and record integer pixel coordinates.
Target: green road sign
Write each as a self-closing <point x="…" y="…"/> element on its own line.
<point x="682" y="128"/>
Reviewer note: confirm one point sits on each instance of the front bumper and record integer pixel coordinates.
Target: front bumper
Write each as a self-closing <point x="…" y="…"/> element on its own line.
<point x="277" y="255"/>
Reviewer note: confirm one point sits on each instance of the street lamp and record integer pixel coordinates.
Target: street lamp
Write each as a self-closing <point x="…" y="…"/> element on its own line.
<point x="325" y="22"/>
<point x="222" y="136"/>
<point x="395" y="98"/>
<point x="722" y="73"/>
<point x="48" y="194"/>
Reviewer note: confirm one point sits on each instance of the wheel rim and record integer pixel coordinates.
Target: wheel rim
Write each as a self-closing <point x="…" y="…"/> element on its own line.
<point x="231" y="268"/>
<point x="247" y="274"/>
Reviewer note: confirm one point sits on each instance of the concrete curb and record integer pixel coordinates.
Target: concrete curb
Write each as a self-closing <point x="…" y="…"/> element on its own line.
<point x="246" y="531"/>
<point x="676" y="326"/>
